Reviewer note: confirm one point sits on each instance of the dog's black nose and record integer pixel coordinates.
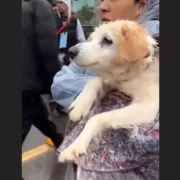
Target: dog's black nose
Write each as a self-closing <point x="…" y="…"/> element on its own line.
<point x="73" y="52"/>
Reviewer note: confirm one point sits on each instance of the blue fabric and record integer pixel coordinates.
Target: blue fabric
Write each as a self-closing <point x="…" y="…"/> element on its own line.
<point x="68" y="83"/>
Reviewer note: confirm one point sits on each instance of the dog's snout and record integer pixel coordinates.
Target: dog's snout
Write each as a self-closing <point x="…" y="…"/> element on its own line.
<point x="73" y="52"/>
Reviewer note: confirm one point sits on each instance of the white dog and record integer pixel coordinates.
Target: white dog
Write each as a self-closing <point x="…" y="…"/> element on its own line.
<point x="127" y="59"/>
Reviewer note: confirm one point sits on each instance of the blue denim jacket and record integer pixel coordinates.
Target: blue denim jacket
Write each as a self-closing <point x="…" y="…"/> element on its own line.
<point x="68" y="83"/>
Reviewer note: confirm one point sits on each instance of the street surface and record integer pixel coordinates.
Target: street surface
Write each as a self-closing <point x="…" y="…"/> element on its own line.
<point x="45" y="166"/>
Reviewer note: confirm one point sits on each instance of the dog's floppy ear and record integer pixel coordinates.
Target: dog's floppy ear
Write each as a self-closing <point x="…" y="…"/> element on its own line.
<point x="133" y="43"/>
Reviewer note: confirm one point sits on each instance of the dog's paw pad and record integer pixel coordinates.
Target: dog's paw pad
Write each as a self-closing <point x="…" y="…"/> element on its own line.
<point x="66" y="156"/>
<point x="75" y="115"/>
<point x="71" y="154"/>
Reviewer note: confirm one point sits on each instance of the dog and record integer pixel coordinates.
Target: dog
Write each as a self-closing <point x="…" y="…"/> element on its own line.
<point x="127" y="59"/>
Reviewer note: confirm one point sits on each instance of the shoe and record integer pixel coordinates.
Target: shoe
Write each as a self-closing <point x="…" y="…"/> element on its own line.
<point x="55" y="142"/>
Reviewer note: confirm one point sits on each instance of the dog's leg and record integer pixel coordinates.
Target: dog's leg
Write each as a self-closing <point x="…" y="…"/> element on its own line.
<point x="128" y="117"/>
<point x="83" y="103"/>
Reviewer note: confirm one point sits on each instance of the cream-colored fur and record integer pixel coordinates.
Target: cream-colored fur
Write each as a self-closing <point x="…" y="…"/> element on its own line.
<point x="128" y="63"/>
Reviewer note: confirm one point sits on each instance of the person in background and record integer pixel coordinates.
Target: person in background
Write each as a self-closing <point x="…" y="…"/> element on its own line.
<point x="39" y="65"/>
<point x="70" y="80"/>
<point x="69" y="29"/>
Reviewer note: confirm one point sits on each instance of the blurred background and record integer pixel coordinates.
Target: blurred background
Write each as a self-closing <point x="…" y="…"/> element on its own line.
<point x="86" y="12"/>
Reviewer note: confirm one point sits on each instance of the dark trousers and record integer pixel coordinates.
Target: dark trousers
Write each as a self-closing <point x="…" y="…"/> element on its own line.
<point x="33" y="114"/>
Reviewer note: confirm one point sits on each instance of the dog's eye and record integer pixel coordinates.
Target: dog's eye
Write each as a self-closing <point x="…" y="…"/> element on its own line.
<point x="107" y="41"/>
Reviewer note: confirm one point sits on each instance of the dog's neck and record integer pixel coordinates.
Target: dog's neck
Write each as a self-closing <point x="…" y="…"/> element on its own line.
<point x="127" y="72"/>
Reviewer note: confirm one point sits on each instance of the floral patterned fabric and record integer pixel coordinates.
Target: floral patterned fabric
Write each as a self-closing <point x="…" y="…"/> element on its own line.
<point x="117" y="154"/>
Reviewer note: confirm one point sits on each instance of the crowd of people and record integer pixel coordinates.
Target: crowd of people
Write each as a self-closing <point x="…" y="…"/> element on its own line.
<point x="47" y="34"/>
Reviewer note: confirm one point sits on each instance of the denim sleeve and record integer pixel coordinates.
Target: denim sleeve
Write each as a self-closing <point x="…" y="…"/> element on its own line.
<point x="68" y="83"/>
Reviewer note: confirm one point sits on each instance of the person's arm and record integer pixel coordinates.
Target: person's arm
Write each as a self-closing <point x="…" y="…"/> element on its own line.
<point x="80" y="33"/>
<point x="68" y="83"/>
<point x="47" y="44"/>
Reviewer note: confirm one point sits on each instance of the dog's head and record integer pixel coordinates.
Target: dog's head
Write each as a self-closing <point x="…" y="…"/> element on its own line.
<point x="114" y="44"/>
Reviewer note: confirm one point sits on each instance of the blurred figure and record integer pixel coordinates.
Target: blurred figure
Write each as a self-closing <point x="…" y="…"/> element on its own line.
<point x="39" y="65"/>
<point x="69" y="29"/>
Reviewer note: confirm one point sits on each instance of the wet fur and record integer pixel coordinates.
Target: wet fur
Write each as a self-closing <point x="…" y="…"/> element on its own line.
<point x="130" y="65"/>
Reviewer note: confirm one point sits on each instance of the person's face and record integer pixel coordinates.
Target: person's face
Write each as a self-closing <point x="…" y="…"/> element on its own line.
<point x="111" y="10"/>
<point x="61" y="7"/>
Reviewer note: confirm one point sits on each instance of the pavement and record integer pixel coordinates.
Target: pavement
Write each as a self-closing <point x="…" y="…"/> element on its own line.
<point x="44" y="166"/>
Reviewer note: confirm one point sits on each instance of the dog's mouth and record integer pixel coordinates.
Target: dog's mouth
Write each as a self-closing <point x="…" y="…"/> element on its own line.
<point x="88" y="65"/>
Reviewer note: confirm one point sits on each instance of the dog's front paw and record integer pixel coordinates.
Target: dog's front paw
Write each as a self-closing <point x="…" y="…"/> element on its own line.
<point x="78" y="112"/>
<point x="72" y="153"/>
<point x="79" y="109"/>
